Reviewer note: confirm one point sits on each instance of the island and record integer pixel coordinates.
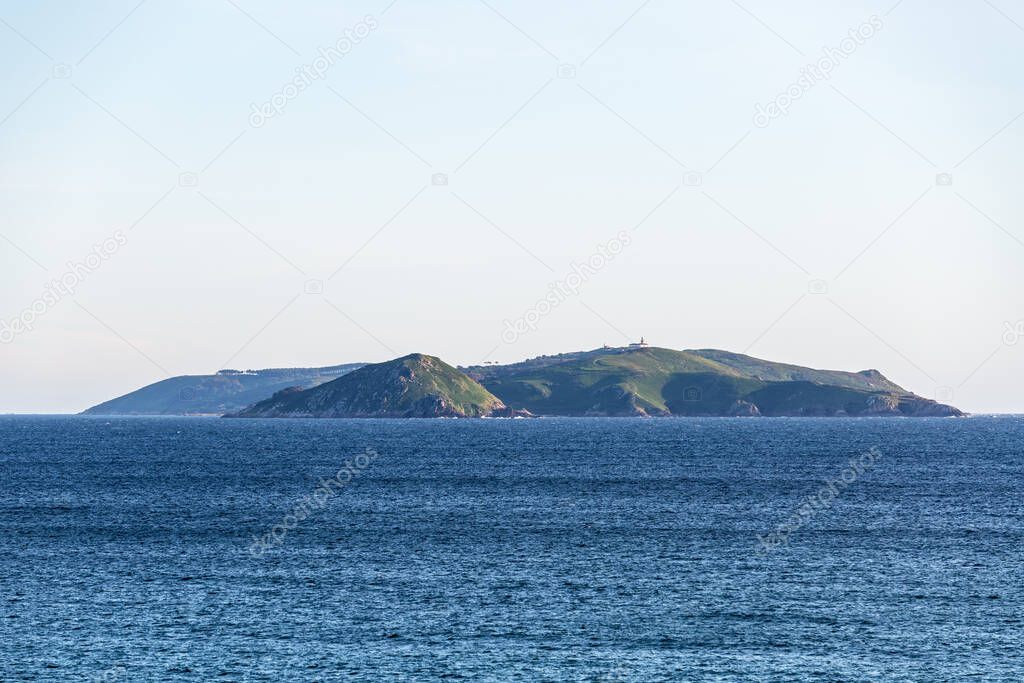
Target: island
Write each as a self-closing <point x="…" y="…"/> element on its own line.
<point x="637" y="380"/>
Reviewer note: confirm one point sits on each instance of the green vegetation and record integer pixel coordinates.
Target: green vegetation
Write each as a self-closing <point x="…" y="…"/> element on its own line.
<point x="631" y="381"/>
<point x="656" y="381"/>
<point x="865" y="380"/>
<point x="412" y="386"/>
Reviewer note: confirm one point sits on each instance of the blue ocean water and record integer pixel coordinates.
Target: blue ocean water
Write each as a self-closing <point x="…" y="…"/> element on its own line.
<point x="511" y="550"/>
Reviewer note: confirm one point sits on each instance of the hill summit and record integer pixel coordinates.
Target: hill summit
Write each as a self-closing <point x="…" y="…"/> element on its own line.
<point x="416" y="385"/>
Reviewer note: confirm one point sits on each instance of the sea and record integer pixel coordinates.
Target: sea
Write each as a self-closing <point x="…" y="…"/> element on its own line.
<point x="671" y="549"/>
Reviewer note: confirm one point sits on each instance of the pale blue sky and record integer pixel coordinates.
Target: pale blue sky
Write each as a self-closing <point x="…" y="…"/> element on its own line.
<point x="123" y="97"/>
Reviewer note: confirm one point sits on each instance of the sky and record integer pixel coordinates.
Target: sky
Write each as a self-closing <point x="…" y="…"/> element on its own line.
<point x="192" y="185"/>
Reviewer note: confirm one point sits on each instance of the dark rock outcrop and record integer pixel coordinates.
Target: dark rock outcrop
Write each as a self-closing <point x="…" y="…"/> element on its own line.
<point x="744" y="409"/>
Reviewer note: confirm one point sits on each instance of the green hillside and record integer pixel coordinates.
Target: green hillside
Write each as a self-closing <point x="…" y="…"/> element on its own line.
<point x="865" y="380"/>
<point x="656" y="381"/>
<point x="416" y="385"/>
<point x="627" y="381"/>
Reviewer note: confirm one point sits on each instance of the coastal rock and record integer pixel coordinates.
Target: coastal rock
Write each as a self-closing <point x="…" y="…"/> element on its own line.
<point x="883" y="405"/>
<point x="744" y="409"/>
<point x="915" y="406"/>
